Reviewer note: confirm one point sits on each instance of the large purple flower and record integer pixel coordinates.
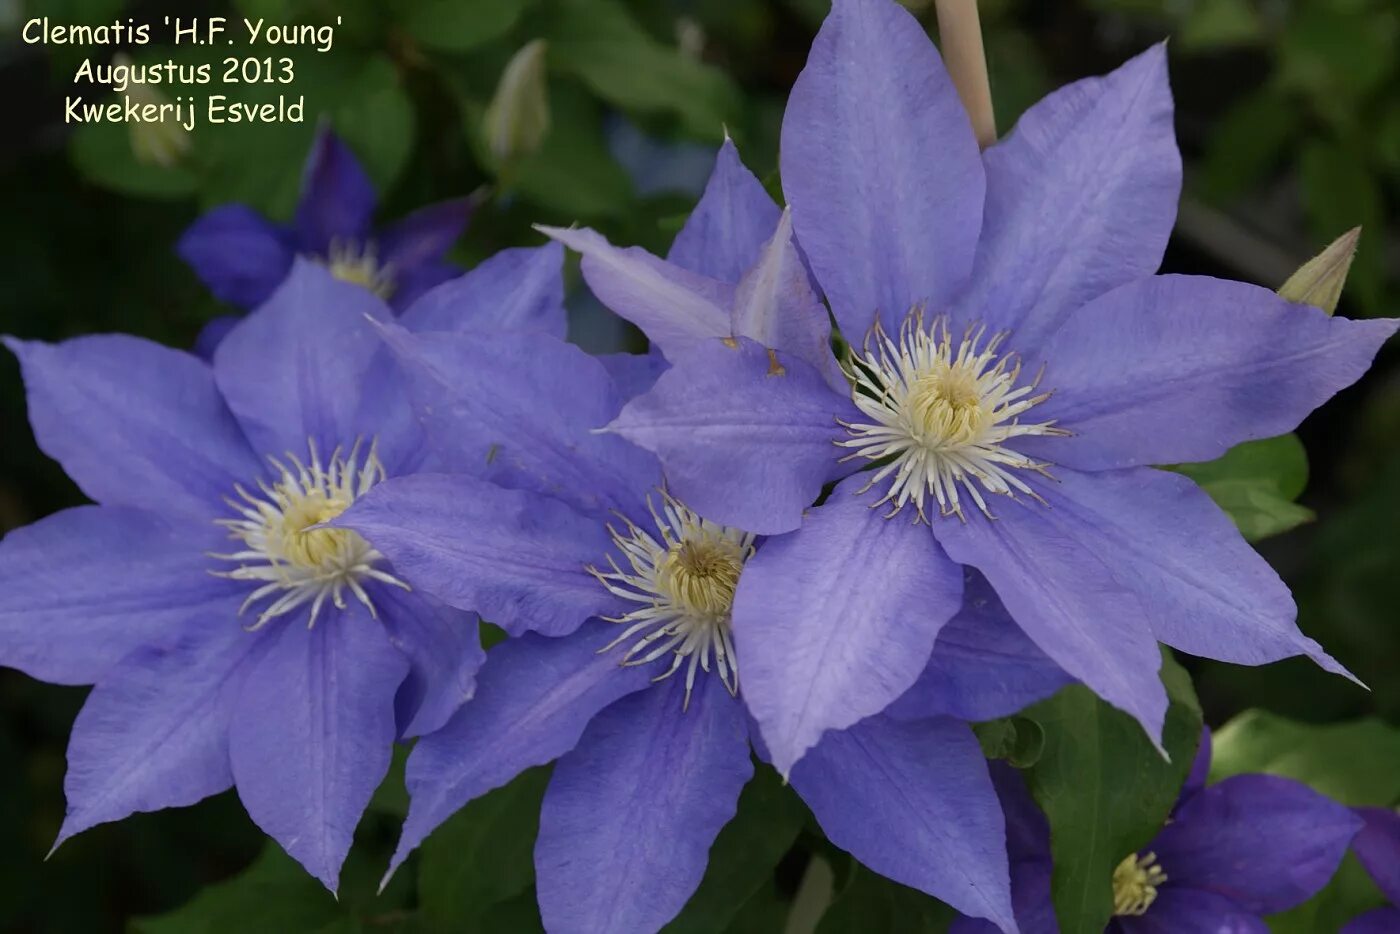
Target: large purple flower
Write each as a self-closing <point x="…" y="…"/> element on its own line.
<point x="1233" y="852"/>
<point x="1377" y="846"/>
<point x="243" y="257"/>
<point x="233" y="641"/>
<point x="631" y="680"/>
<point x="1021" y="371"/>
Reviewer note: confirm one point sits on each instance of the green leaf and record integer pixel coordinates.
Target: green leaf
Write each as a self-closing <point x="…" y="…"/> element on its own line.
<point x="461" y="25"/>
<point x="764" y="912"/>
<point x="482" y="855"/>
<point x="1350" y="892"/>
<point x="1018" y="740"/>
<point x="744" y="854"/>
<point x="104" y="154"/>
<point x="1356" y="763"/>
<point x="1105" y="789"/>
<point x="870" y="902"/>
<point x="1256" y="483"/>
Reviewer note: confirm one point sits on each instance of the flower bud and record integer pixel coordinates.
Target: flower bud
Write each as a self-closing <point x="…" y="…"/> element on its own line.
<point x="517" y="119"/>
<point x="157" y="143"/>
<point x="1319" y="281"/>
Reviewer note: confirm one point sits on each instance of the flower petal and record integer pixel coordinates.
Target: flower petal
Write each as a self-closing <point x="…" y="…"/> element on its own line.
<point x="630" y="813"/>
<point x="417" y="281"/>
<point x="519" y="408"/>
<point x="746" y="434"/>
<point x="1081" y="197"/>
<point x="633" y="373"/>
<point x="134" y="423"/>
<point x="337" y="197"/>
<point x="982" y="667"/>
<point x="534" y="697"/>
<point x="314" y="734"/>
<point x="516" y="289"/>
<point x="424" y="236"/>
<point x="723" y="235"/>
<point x="674" y="307"/>
<point x="443" y="648"/>
<point x="83" y="587"/>
<point x="1067" y="600"/>
<point x="913" y="801"/>
<point x="1181" y="909"/>
<point x="1266" y="843"/>
<point x="517" y="558"/>
<point x="154" y="732"/>
<point x="1378" y="848"/>
<point x="237" y="253"/>
<point x="835" y="621"/>
<point x="1181" y="368"/>
<point x="880" y="167"/>
<point x="1377" y="921"/>
<point x="212" y="335"/>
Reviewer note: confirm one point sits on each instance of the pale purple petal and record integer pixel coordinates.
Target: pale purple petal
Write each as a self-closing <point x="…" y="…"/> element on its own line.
<point x="630" y="813"/>
<point x="1204" y="590"/>
<point x="516" y="289"/>
<point x="337" y="197"/>
<point x="674" y="307"/>
<point x="1178" y="910"/>
<point x="633" y="373"/>
<point x="1267" y="843"/>
<point x="424" y="236"/>
<point x="534" y="697"/>
<point x="154" y="732"/>
<point x="134" y="423"/>
<point x="443" y="648"/>
<point x="880" y="167"/>
<point x="412" y="284"/>
<point x="913" y="801"/>
<point x="83" y="587"/>
<point x="1081" y="197"/>
<point x="314" y="733"/>
<point x="1067" y="600"/>
<point x="982" y="667"/>
<point x="1171" y="369"/>
<point x="1378" y="848"/>
<point x="518" y="559"/>
<point x="723" y="235"/>
<point x="747" y="435"/>
<point x="836" y="620"/>
<point x="237" y="253"/>
<point x="212" y="335"/>
<point x="1377" y="921"/>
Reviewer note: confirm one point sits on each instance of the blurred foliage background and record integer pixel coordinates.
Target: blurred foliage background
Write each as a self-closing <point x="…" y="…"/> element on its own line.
<point x="1288" y="112"/>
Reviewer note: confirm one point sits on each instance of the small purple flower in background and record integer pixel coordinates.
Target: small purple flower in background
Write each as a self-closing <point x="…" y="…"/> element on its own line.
<point x="231" y="638"/>
<point x="242" y="256"/>
<point x="1377" y="846"/>
<point x="1232" y="852"/>
<point x="1016" y="360"/>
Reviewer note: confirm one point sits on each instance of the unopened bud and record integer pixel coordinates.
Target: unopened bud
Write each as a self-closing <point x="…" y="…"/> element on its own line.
<point x="158" y="143"/>
<point x="518" y="118"/>
<point x="1319" y="281"/>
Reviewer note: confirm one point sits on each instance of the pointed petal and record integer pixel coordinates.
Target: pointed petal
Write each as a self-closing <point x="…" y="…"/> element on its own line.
<point x="519" y="559"/>
<point x="83" y="587"/>
<point x="631" y="811"/>
<point x="534" y="697"/>
<point x="426" y="235"/>
<point x="880" y="167"/>
<point x="746" y="434"/>
<point x="516" y="289"/>
<point x="723" y="235"/>
<point x="982" y="667"/>
<point x="1081" y="197"/>
<point x="1378" y="848"/>
<point x="913" y="801"/>
<point x="443" y="648"/>
<point x="1181" y="368"/>
<point x="134" y="423"/>
<point x="835" y="621"/>
<point x="1266" y="843"/>
<point x="337" y="197"/>
<point x="237" y="253"/>
<point x="674" y="307"/>
<point x="154" y="733"/>
<point x="1180" y="909"/>
<point x="1067" y="600"/>
<point x="315" y="732"/>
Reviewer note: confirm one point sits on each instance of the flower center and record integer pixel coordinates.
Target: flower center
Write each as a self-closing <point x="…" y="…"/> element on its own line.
<point x="684" y="579"/>
<point x="941" y="413"/>
<point x="293" y="561"/>
<point x="1135" y="884"/>
<point x="357" y="263"/>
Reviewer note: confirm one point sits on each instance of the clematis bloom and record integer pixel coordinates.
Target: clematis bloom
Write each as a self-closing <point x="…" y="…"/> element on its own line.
<point x="1377" y="846"/>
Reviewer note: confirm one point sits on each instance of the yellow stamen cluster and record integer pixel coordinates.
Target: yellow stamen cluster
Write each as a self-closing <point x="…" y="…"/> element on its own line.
<point x="1135" y="884"/>
<point x="352" y="262"/>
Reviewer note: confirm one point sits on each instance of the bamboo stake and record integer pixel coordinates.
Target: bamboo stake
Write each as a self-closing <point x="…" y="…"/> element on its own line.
<point x="960" y="35"/>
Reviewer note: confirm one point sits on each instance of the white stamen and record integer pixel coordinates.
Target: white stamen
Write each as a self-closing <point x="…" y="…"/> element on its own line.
<point x="294" y="561"/>
<point x="941" y="414"/>
<point x="685" y="583"/>
<point x="359" y="263"/>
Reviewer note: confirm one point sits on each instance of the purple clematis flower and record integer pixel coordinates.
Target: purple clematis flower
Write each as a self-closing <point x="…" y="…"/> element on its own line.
<point x="243" y="257"/>
<point x="232" y="639"/>
<point x="632" y="682"/>
<point x="1021" y="371"/>
<point x="1377" y="846"/>
<point x="1233" y="852"/>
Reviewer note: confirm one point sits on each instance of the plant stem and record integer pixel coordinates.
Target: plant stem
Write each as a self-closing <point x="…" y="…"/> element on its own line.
<point x="960" y="33"/>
